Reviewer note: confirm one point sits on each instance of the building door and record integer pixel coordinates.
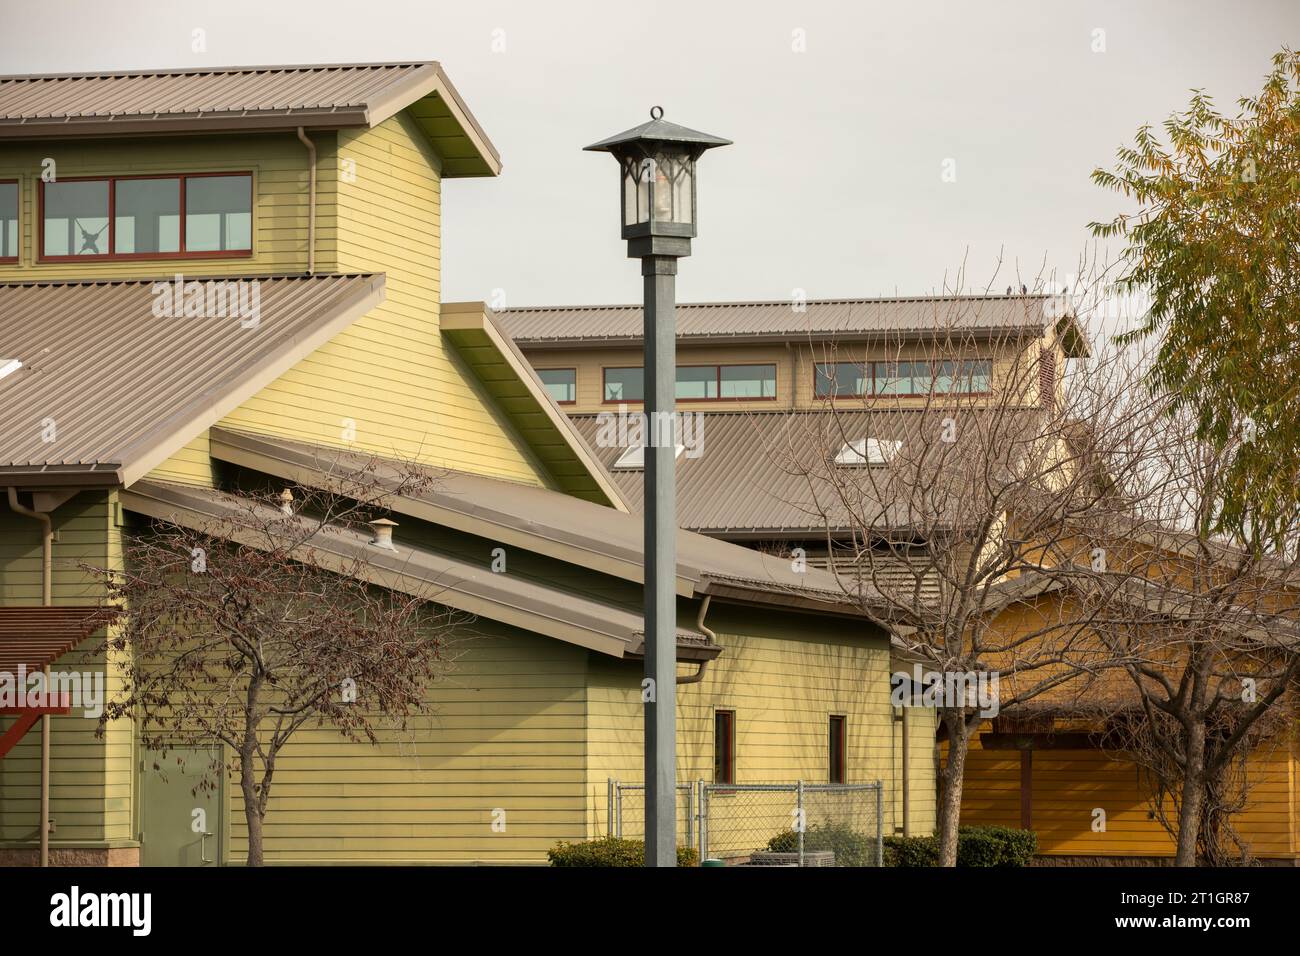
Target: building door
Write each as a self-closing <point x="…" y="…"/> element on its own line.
<point x="180" y="822"/>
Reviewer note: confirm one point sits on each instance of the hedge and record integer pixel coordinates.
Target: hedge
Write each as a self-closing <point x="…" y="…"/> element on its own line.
<point x="976" y="846"/>
<point x="611" y="851"/>
<point x="851" y="848"/>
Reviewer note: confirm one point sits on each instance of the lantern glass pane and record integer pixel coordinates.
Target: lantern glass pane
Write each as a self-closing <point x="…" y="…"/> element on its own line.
<point x="636" y="193"/>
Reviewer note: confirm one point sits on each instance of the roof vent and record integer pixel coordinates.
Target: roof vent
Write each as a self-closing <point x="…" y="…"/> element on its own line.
<point x="634" y="457"/>
<point x="9" y="366"/>
<point x="383" y="529"/>
<point x="868" y="451"/>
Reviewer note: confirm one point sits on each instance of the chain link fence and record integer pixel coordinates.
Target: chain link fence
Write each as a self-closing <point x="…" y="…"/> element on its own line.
<point x="627" y="811"/>
<point x="767" y="824"/>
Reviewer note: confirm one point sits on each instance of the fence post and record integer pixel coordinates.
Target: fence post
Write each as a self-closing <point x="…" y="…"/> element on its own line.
<point x="618" y="810"/>
<point x="609" y="806"/>
<point x="703" y="833"/>
<point x="798" y="817"/>
<point x="880" y="824"/>
<point x="690" y="814"/>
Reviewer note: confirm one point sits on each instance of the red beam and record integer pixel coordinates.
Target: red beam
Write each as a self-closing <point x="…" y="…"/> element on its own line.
<point x="16" y="732"/>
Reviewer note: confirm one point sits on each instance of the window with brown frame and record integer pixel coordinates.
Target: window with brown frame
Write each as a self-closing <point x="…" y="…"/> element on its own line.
<point x="724" y="746"/>
<point x="8" y="220"/>
<point x="697" y="383"/>
<point x="182" y="216"/>
<point x="837" y="740"/>
<point x="873" y="379"/>
<point x="560" y="383"/>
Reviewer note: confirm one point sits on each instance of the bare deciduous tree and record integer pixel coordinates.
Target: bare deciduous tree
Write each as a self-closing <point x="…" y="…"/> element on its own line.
<point x="257" y="621"/>
<point x="967" y="468"/>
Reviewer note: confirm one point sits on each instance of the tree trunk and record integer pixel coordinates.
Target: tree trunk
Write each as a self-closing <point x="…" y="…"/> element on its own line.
<point x="951" y="778"/>
<point x="1193" y="798"/>
<point x="252" y="808"/>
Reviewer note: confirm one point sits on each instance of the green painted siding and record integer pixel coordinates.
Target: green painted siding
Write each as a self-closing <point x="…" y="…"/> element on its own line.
<point x="91" y="779"/>
<point x="277" y="161"/>
<point x="507" y="733"/>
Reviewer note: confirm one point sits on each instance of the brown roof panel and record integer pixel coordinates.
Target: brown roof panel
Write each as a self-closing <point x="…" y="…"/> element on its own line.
<point x="105" y="385"/>
<point x="820" y="319"/>
<point x="549" y="522"/>
<point x="450" y="581"/>
<point x="761" y="474"/>
<point x="317" y="96"/>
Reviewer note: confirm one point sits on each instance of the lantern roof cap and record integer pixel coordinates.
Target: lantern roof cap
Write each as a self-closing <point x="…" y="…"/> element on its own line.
<point x="659" y="130"/>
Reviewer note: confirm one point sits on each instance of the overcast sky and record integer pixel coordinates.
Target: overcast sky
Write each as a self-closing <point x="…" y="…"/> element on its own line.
<point x="845" y="117"/>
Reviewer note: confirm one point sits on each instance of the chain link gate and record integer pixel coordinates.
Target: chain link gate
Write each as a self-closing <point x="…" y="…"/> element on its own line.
<point x="791" y="824"/>
<point x="627" y="811"/>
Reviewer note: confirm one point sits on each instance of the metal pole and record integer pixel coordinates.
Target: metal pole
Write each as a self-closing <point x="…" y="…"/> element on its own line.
<point x="609" y="806"/>
<point x="798" y="816"/>
<point x="880" y="824"/>
<point x="660" y="275"/>
<point x="703" y="833"/>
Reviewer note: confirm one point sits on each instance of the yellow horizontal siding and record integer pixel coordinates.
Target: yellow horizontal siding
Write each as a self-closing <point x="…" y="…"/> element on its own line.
<point x="390" y="376"/>
<point x="1069" y="785"/>
<point x="784" y="680"/>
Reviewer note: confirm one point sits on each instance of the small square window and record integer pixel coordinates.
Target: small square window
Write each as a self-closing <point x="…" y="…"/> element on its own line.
<point x="624" y="385"/>
<point x="218" y="213"/>
<point x="147" y="215"/>
<point x="561" y="384"/>
<point x="76" y="218"/>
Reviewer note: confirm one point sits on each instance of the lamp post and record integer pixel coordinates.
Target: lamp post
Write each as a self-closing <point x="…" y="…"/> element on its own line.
<point x="657" y="184"/>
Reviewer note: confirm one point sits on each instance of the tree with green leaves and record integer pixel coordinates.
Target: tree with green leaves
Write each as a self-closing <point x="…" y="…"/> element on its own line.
<point x="1215" y="244"/>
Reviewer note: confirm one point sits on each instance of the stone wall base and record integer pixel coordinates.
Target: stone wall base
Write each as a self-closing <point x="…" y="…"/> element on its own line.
<point x="72" y="856"/>
<point x="1128" y="861"/>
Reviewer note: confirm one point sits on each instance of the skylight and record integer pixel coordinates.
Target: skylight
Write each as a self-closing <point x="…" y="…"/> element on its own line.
<point x="634" y="457"/>
<point x="9" y="366"/>
<point x="868" y="451"/>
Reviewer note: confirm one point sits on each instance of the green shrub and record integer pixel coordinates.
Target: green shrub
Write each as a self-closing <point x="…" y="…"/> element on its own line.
<point x="995" y="846"/>
<point x="611" y="851"/>
<point x="850" y="847"/>
<point x="911" y="851"/>
<point x="976" y="846"/>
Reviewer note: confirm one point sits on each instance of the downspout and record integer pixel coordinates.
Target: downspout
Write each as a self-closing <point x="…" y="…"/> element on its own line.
<point x="47" y="598"/>
<point x="699" y="624"/>
<point x="311" y="200"/>
<point x="907" y="787"/>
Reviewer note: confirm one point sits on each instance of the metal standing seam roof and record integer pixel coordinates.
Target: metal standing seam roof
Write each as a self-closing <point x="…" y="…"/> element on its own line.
<point x="36" y="636"/>
<point x="825" y="318"/>
<point x="237" y="98"/>
<point x="448" y="581"/>
<point x="747" y="479"/>
<point x="548" y="522"/>
<point x="105" y="385"/>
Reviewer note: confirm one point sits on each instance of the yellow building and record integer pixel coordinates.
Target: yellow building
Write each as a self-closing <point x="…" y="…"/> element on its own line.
<point x="220" y="280"/>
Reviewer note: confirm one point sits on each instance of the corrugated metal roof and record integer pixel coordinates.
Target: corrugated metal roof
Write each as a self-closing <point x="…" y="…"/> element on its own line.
<point x="562" y="526"/>
<point x="764" y="473"/>
<point x="36" y="636"/>
<point x="317" y="96"/>
<point x="826" y="318"/>
<point x="449" y="581"/>
<point x="103" y="379"/>
<point x="161" y="93"/>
